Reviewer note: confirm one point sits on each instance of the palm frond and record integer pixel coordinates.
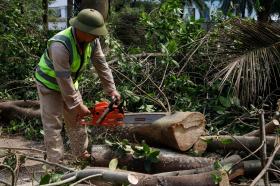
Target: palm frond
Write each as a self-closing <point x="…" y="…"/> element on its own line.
<point x="253" y="72"/>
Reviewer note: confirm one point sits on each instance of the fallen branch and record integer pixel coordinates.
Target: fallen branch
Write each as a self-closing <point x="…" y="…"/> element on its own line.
<point x="269" y="128"/>
<point x="28" y="149"/>
<point x="263" y="140"/>
<point x="234" y="142"/>
<point x="86" y="178"/>
<point x="50" y="163"/>
<point x="19" y="109"/>
<point x="168" y="161"/>
<point x="139" y="179"/>
<point x="266" y="166"/>
<point x="230" y="160"/>
<point x="12" y="174"/>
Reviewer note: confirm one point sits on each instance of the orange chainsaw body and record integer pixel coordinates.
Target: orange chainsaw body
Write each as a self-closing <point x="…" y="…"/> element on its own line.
<point x="113" y="118"/>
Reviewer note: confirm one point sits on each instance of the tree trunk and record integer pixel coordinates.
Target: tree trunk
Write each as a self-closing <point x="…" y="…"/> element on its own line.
<point x="45" y="16"/>
<point x="101" y="5"/>
<point x="168" y="161"/>
<point x="202" y="179"/>
<point x="19" y="109"/>
<point x="69" y="11"/>
<point x="269" y="128"/>
<point x="235" y="142"/>
<point x="230" y="160"/>
<point x="179" y="131"/>
<point x="139" y="179"/>
<point x="264" y="13"/>
<point x="254" y="167"/>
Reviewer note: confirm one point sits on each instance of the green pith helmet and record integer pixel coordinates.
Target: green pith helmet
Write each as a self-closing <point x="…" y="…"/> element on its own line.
<point x="89" y="21"/>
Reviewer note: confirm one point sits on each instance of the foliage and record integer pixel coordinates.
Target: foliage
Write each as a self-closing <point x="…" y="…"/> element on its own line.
<point x="255" y="69"/>
<point x="175" y="74"/>
<point x="21" y="41"/>
<point x="141" y="152"/>
<point x="217" y="176"/>
<point x="50" y="178"/>
<point x="31" y="129"/>
<point x="263" y="8"/>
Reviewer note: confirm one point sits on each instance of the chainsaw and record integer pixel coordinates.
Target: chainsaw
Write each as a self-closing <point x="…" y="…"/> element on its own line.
<point x="112" y="115"/>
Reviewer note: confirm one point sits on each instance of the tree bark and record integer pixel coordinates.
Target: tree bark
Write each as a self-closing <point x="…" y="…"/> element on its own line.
<point x="269" y="128"/>
<point x="69" y="11"/>
<point x="264" y="13"/>
<point x="101" y="5"/>
<point x="230" y="160"/>
<point x="253" y="167"/>
<point x="235" y="142"/>
<point x="168" y="161"/>
<point x="45" y="16"/>
<point x="139" y="179"/>
<point x="179" y="131"/>
<point x="19" y="109"/>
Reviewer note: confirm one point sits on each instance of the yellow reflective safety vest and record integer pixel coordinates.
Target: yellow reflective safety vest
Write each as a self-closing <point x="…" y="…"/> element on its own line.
<point x="45" y="72"/>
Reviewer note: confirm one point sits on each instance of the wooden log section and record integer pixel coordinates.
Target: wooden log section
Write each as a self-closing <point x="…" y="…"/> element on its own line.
<point x="139" y="179"/>
<point x="230" y="160"/>
<point x="253" y="167"/>
<point x="179" y="131"/>
<point x="270" y="128"/>
<point x="234" y="142"/>
<point x="19" y="109"/>
<point x="169" y="161"/>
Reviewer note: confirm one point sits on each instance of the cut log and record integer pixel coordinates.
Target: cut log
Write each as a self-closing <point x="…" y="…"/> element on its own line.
<point x="235" y="142"/>
<point x="20" y="109"/>
<point x="179" y="131"/>
<point x="202" y="179"/>
<point x="169" y="161"/>
<point x="269" y="128"/>
<point x="230" y="160"/>
<point x="253" y="167"/>
<point x="139" y="179"/>
<point x="199" y="147"/>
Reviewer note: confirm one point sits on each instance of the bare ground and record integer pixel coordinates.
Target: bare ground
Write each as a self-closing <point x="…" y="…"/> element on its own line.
<point x="30" y="171"/>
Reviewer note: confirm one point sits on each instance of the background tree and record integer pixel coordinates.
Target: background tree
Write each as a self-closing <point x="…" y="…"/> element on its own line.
<point x="263" y="8"/>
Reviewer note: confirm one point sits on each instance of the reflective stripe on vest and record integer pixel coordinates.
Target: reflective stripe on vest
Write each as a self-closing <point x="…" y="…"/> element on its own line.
<point x="45" y="71"/>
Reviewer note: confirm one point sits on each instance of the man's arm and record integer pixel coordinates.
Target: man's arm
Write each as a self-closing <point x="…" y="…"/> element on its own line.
<point x="103" y="71"/>
<point x="60" y="57"/>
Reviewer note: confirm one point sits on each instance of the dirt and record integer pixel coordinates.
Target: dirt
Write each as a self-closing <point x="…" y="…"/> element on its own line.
<point x="31" y="171"/>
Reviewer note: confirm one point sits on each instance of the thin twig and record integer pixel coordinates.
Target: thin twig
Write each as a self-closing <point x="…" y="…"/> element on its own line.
<point x="28" y="149"/>
<point x="86" y="178"/>
<point x="153" y="99"/>
<point x="266" y="166"/>
<point x="163" y="94"/>
<point x="251" y="153"/>
<point x="73" y="178"/>
<point x="4" y="182"/>
<point x="12" y="173"/>
<point x="264" y="148"/>
<point x="50" y="163"/>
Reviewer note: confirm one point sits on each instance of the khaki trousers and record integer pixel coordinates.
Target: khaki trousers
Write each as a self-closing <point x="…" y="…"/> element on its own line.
<point x="53" y="109"/>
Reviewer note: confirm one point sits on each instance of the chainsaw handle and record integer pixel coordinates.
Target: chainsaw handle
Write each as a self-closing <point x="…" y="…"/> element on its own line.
<point x="107" y="110"/>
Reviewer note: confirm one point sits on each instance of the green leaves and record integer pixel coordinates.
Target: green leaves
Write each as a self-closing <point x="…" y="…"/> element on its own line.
<point x="140" y="152"/>
<point x="50" y="178"/>
<point x="113" y="164"/>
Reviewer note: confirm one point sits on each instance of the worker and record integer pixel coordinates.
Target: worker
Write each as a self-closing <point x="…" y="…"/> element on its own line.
<point x="67" y="55"/>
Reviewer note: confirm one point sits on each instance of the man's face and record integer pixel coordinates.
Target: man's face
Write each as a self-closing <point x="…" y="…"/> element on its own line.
<point x="85" y="37"/>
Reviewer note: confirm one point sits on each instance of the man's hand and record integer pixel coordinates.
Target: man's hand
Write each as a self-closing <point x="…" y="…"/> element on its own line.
<point x="81" y="111"/>
<point x="115" y="94"/>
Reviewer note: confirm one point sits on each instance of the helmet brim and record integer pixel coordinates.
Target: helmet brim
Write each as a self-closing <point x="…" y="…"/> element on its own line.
<point x="98" y="31"/>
